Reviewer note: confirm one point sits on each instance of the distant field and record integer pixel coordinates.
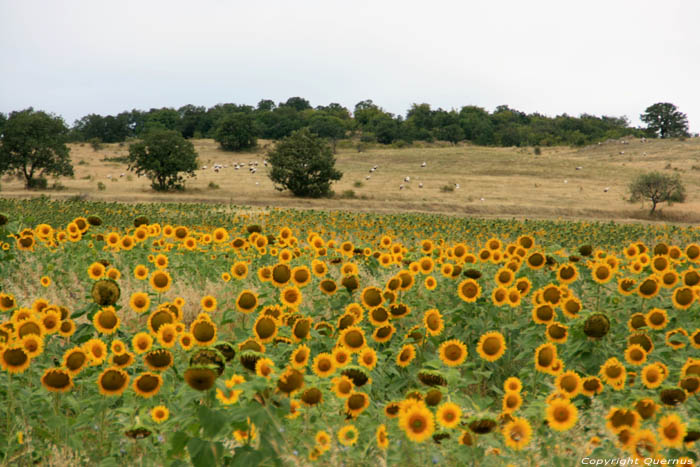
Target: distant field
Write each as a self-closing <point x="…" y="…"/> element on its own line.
<point x="493" y="182"/>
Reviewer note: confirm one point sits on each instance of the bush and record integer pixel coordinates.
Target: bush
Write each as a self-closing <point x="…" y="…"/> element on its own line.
<point x="447" y="188"/>
<point x="358" y="184"/>
<point x="304" y="164"/>
<point x="236" y="132"/>
<point x="101" y="186"/>
<point x="37" y="183"/>
<point x="657" y="188"/>
<point x="96" y="144"/>
<point x="162" y="156"/>
<point x="213" y="186"/>
<point x="538" y="151"/>
<point x="348" y="194"/>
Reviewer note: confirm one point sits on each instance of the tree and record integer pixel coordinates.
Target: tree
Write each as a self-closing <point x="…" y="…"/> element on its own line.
<point x="665" y="120"/>
<point x="657" y="188"/>
<point x="33" y="143"/>
<point x="162" y="155"/>
<point x="328" y="126"/>
<point x="303" y="163"/>
<point x="236" y="131"/>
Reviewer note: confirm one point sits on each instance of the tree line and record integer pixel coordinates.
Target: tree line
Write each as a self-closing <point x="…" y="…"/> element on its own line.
<point x="238" y="127"/>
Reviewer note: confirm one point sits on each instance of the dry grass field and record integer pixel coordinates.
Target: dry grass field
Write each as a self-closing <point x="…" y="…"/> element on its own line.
<point x="499" y="182"/>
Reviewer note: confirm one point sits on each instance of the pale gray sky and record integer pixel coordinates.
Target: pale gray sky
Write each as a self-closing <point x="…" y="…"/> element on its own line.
<point x="612" y="57"/>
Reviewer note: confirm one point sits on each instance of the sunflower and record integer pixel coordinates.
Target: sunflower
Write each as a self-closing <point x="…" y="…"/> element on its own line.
<point x="121" y="360"/>
<point x="433" y="322"/>
<point x="543" y="314"/>
<point x="406" y="355"/>
<point x="160" y="413"/>
<point x="352" y="338"/>
<point x="453" y="352"/>
<point x="201" y="377"/>
<point x="106" y="320"/>
<point x="613" y="373"/>
<point x="382" y="438"/>
<point x="656" y="318"/>
<point x="674" y="338"/>
<point x="491" y="346"/>
<point x="33" y="345"/>
<point x="356" y="403"/>
<point x="569" y="384"/>
<point x="643" y="444"/>
<point x="341" y="356"/>
<point x="112" y="381"/>
<point x="448" y="415"/>
<point x="683" y="297"/>
<point x="247" y="301"/>
<point x="75" y="359"/>
<point x="511" y="402"/>
<point x="147" y="384"/>
<point x="517" y="433"/>
<point x="160" y="281"/>
<point x="96" y="270"/>
<point x="323" y="365"/>
<point x="635" y="354"/>
<point x="417" y="422"/>
<point x="348" y="435"/>
<point x="96" y="350"/>
<point x="141" y="342"/>
<point x="646" y="408"/>
<point x="649" y="287"/>
<point x="342" y="386"/>
<point x="591" y="386"/>
<point x="561" y="414"/>
<point x="545" y="356"/>
<point x="57" y="380"/>
<point x="265" y="328"/>
<point x="139" y="302"/>
<point x="291" y="296"/>
<point x="158" y="360"/>
<point x="469" y="290"/>
<point x="264" y="367"/>
<point x="301" y="329"/>
<point x="14" y="359"/>
<point x="672" y="431"/>
<point x="512" y="384"/>
<point x="167" y="335"/>
<point x="372" y="297"/>
<point x="203" y="331"/>
<point x="300" y="356"/>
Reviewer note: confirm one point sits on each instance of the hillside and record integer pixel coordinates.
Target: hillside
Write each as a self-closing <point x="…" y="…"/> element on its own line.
<point x="499" y="182"/>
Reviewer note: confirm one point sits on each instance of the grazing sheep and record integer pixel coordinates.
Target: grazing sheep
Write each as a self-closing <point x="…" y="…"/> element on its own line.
<point x="420" y="185"/>
<point x="423" y="164"/>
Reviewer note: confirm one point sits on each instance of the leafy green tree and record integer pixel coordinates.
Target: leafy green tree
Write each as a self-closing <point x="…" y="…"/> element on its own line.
<point x="303" y="164"/>
<point x="298" y="103"/>
<point x="3" y="120"/>
<point x="33" y="143"/>
<point x="452" y="133"/>
<point x="328" y="126"/>
<point x="236" y="131"/>
<point x="657" y="188"/>
<point x="665" y="120"/>
<point x="163" y="156"/>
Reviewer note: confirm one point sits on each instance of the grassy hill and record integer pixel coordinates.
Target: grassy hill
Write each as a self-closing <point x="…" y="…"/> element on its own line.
<point x="498" y="182"/>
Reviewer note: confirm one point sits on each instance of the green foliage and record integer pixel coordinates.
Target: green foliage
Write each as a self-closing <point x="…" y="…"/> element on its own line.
<point x="303" y="164"/>
<point x="328" y="126"/>
<point x="33" y="144"/>
<point x="96" y="144"/>
<point x="664" y="120"/>
<point x="657" y="188"/>
<point x="162" y="156"/>
<point x="101" y="186"/>
<point x="236" y="131"/>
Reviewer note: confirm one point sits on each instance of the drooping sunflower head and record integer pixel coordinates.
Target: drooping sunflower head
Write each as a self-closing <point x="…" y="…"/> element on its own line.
<point x="105" y="292"/>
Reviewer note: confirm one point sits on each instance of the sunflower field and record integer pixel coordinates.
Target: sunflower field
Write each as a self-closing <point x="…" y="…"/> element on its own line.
<point x="183" y="334"/>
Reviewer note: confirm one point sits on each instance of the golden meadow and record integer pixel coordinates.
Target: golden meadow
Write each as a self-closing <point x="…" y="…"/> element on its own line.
<point x="179" y="334"/>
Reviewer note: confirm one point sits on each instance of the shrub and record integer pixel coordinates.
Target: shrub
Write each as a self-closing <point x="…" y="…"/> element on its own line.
<point x="303" y="164"/>
<point x="358" y="184"/>
<point x="213" y="186"/>
<point x="447" y="188"/>
<point x="101" y="186"/>
<point x="37" y="183"/>
<point x="96" y="144"/>
<point x="538" y="150"/>
<point x="163" y="156"/>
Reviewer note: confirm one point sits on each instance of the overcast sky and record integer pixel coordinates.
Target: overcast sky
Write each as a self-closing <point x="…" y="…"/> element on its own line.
<point x="612" y="57"/>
